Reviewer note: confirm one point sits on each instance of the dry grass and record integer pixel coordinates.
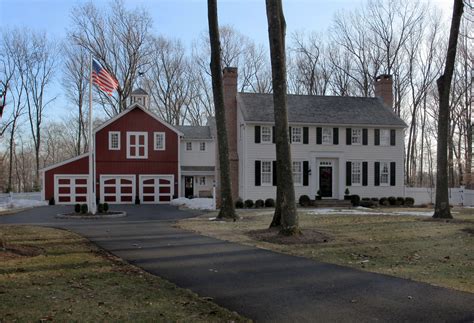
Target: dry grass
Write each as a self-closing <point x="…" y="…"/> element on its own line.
<point x="418" y="248"/>
<point x="49" y="274"/>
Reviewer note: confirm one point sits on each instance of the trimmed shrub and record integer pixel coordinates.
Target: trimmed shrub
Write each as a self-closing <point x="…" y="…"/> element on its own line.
<point x="400" y="201"/>
<point x="270" y="202"/>
<point x="100" y="208"/>
<point x="346" y="192"/>
<point x="366" y="203"/>
<point x="365" y="199"/>
<point x="304" y="200"/>
<point x="259" y="203"/>
<point x="84" y="209"/>
<point x="106" y="207"/>
<point x="382" y="200"/>
<point x="137" y="200"/>
<point x="77" y="208"/>
<point x="409" y="201"/>
<point x="392" y="200"/>
<point x="355" y="200"/>
<point x="248" y="204"/>
<point x="375" y="200"/>
<point x="239" y="204"/>
<point x="52" y="201"/>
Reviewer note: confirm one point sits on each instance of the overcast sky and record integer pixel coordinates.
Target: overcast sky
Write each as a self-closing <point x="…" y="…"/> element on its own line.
<point x="185" y="19"/>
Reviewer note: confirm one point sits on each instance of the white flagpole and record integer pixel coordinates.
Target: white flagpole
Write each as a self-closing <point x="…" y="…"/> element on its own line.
<point x="91" y="187"/>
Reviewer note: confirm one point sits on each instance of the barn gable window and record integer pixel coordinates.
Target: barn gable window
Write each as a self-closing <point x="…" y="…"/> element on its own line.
<point x="114" y="140"/>
<point x="160" y="141"/>
<point x="137" y="145"/>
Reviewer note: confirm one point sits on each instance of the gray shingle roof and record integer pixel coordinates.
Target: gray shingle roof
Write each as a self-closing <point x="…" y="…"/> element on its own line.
<point x="320" y="110"/>
<point x="195" y="132"/>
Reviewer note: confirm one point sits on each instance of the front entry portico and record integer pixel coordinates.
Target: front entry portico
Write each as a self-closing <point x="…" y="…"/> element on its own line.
<point x="327" y="175"/>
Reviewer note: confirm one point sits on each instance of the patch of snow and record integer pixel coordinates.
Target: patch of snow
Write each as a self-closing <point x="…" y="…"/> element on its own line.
<point x="195" y="204"/>
<point x="21" y="204"/>
<point x="416" y="213"/>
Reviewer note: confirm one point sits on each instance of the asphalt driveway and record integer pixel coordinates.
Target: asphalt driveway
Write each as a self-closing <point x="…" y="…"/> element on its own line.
<point x="260" y="284"/>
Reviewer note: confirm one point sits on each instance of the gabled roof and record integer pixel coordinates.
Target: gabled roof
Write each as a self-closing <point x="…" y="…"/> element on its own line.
<point x="195" y="132"/>
<point x="131" y="108"/>
<point x="333" y="110"/>
<point x="139" y="91"/>
<point x="64" y="162"/>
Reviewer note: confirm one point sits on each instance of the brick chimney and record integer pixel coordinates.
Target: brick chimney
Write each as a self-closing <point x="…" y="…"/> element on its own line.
<point x="383" y="85"/>
<point x="230" y="105"/>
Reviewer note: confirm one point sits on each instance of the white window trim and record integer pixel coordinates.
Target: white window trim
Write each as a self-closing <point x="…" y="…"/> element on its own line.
<point x="331" y="136"/>
<point x="301" y="172"/>
<point x="388" y="173"/>
<point x="301" y="135"/>
<point x="205" y="146"/>
<point x="137" y="134"/>
<point x="271" y="135"/>
<point x="387" y="143"/>
<point x="359" y="136"/>
<point x="360" y="173"/>
<point x="111" y="133"/>
<point x="202" y="181"/>
<point x="155" y="136"/>
<point x="186" y="145"/>
<point x="271" y="173"/>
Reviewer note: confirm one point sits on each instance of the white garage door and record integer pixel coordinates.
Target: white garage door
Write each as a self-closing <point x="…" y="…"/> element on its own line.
<point x="117" y="189"/>
<point x="70" y="189"/>
<point x="155" y="189"/>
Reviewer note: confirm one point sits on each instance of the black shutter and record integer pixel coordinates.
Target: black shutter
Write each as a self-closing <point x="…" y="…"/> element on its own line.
<point x="377" y="137"/>
<point x="392" y="137"/>
<point x="319" y="135"/>
<point x="335" y="136"/>
<point x="377" y="174"/>
<point x="289" y="132"/>
<point x="348" y="173"/>
<point x="365" y="137"/>
<point x="257" y="134"/>
<point x="305" y="135"/>
<point x="348" y="136"/>
<point x="392" y="173"/>
<point x="258" y="170"/>
<point x="274" y="173"/>
<point x="273" y="134"/>
<point x="365" y="167"/>
<point x="305" y="173"/>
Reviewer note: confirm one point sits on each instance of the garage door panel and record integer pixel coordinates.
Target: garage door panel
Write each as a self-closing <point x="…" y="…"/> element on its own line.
<point x="154" y="189"/>
<point x="117" y="188"/>
<point x="81" y="199"/>
<point x="70" y="189"/>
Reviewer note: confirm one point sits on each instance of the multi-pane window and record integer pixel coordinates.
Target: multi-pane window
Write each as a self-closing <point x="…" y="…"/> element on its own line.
<point x="356" y="173"/>
<point x="385" y="137"/>
<point x="356" y="136"/>
<point x="189" y="146"/>
<point x="266" y="172"/>
<point x="298" y="172"/>
<point x="137" y="145"/>
<point x="266" y="134"/>
<point x="114" y="140"/>
<point x="384" y="173"/>
<point x="159" y="141"/>
<point x="296" y="134"/>
<point x="327" y="136"/>
<point x="202" y="146"/>
<point x="202" y="180"/>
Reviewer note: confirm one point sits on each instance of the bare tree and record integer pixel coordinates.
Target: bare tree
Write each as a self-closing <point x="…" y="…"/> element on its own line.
<point x="227" y="205"/>
<point x="444" y="88"/>
<point x="286" y="196"/>
<point x="119" y="40"/>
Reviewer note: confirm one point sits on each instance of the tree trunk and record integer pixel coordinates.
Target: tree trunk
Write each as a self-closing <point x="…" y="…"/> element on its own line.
<point x="227" y="205"/>
<point x="444" y="88"/>
<point x="286" y="199"/>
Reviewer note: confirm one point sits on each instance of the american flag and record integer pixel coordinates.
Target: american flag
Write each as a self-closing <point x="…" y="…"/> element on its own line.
<point x="105" y="80"/>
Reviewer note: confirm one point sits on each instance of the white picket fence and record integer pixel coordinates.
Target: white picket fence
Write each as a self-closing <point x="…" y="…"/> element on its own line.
<point x="457" y="195"/>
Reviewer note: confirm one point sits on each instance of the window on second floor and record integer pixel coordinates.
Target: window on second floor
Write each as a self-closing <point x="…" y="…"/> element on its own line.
<point x="160" y="143"/>
<point x="189" y="146"/>
<point x="266" y="134"/>
<point x="327" y="136"/>
<point x="296" y="135"/>
<point x="114" y="140"/>
<point x="202" y="146"/>
<point x="137" y="145"/>
<point x="356" y="136"/>
<point x="385" y="137"/>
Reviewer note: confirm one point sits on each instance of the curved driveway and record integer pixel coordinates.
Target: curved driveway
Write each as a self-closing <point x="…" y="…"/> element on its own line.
<point x="260" y="284"/>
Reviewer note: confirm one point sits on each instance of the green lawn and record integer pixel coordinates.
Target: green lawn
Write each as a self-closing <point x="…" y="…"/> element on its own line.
<point x="51" y="274"/>
<point x="418" y="248"/>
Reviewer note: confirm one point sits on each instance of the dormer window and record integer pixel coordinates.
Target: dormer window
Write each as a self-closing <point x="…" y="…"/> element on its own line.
<point x="114" y="140"/>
